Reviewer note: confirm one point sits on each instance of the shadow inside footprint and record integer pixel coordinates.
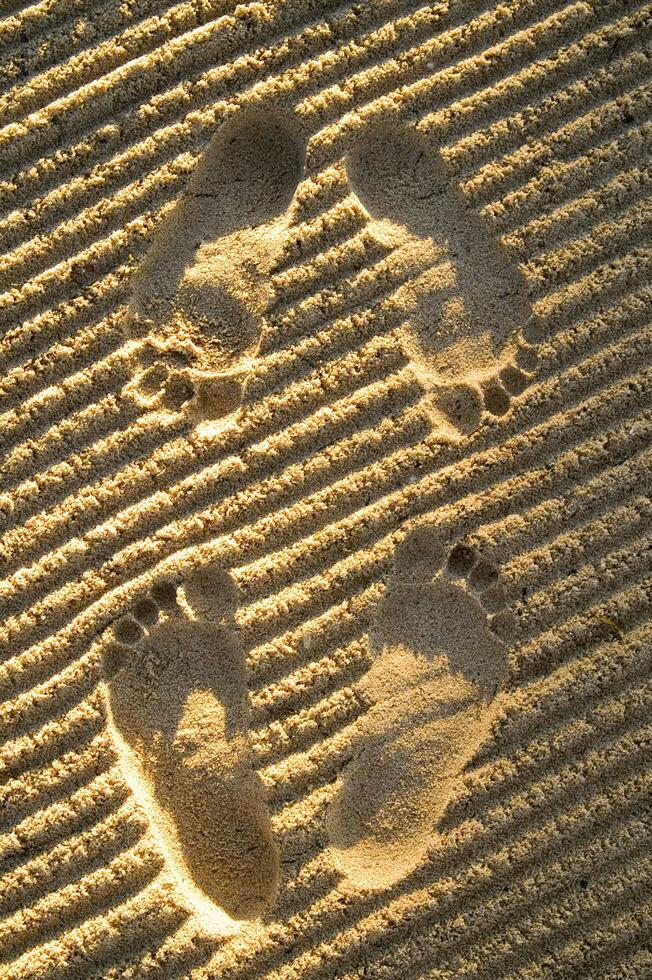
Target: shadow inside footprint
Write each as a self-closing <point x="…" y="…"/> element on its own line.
<point x="202" y="291"/>
<point x="467" y="312"/>
<point x="175" y="673"/>
<point x="439" y="664"/>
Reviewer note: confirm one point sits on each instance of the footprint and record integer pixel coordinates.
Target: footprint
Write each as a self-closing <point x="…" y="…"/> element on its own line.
<point x="467" y="311"/>
<point x="431" y="689"/>
<point x="175" y="677"/>
<point x="200" y="297"/>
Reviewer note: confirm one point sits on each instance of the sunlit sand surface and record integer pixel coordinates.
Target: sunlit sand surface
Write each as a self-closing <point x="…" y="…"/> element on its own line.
<point x="325" y="392"/>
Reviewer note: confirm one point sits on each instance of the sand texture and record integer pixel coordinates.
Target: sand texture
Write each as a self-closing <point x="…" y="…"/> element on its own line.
<point x="325" y="544"/>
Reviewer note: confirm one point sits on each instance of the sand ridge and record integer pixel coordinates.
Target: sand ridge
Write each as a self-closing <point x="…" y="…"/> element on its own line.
<point x="300" y="454"/>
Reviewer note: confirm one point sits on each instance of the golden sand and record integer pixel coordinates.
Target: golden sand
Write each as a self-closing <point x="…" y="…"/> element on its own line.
<point x="325" y="380"/>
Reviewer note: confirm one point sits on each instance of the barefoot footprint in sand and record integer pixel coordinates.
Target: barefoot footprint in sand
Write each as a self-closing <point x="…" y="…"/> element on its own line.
<point x="201" y="293"/>
<point x="466" y="312"/>
<point x="431" y="689"/>
<point x="174" y="671"/>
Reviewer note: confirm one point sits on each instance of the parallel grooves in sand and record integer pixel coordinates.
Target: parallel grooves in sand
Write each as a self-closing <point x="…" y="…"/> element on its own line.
<point x="541" y="113"/>
<point x="536" y="483"/>
<point x="176" y="171"/>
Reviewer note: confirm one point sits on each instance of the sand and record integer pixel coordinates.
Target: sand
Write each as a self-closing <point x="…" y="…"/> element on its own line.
<point x="325" y="495"/>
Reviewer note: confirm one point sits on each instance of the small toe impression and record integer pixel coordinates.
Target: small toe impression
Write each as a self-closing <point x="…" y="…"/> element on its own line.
<point x="527" y="357"/>
<point x="251" y="168"/>
<point x="211" y="592"/>
<point x="178" y="390"/>
<point x="153" y="379"/>
<point x="164" y="593"/>
<point x="514" y="380"/>
<point x="498" y="391"/>
<point x="482" y="575"/>
<point x="127" y="630"/>
<point x="115" y="657"/>
<point x="496" y="399"/>
<point x="146" y="611"/>
<point x="493" y="598"/>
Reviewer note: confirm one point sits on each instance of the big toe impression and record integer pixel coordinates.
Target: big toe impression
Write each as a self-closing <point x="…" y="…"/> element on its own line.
<point x="211" y="592"/>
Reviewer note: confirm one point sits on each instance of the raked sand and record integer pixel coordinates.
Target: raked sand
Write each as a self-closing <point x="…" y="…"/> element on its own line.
<point x="325" y="547"/>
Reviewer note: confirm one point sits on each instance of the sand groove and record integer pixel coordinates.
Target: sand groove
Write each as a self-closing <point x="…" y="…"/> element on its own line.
<point x="537" y="118"/>
<point x="539" y="479"/>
